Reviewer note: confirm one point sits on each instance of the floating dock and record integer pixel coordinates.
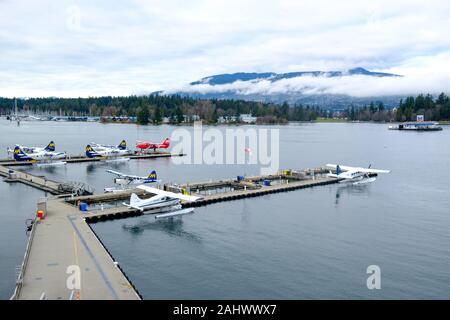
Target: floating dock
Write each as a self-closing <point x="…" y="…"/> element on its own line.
<point x="79" y="158"/>
<point x="39" y="182"/>
<point x="63" y="241"/>
<point x="58" y="188"/>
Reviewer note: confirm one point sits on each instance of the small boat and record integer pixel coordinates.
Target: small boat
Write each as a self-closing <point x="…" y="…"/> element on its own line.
<point x="417" y="126"/>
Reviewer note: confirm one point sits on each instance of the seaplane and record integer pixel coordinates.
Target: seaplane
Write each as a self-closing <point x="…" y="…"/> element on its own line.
<point x="354" y="175"/>
<point x="144" y="145"/>
<point x="126" y="181"/>
<point x="41" y="157"/>
<point x="111" y="154"/>
<point x="49" y="148"/>
<point x="166" y="203"/>
<point x="102" y="147"/>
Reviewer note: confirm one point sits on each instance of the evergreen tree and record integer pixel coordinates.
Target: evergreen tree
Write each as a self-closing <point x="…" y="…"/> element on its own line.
<point x="143" y="115"/>
<point x="158" y="115"/>
<point x="179" y="115"/>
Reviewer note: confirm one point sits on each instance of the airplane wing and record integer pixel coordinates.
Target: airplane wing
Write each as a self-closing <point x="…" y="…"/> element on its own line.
<point x="365" y="170"/>
<point x="120" y="174"/>
<point x="125" y="176"/>
<point x="169" y="194"/>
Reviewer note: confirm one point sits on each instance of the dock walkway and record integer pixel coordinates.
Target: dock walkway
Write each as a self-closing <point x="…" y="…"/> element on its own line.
<point x="61" y="240"/>
<point x="29" y="179"/>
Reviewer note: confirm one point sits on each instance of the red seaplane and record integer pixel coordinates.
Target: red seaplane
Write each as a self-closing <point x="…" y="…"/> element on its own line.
<point x="144" y="145"/>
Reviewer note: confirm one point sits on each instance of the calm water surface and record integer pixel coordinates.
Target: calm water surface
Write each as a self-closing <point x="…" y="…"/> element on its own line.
<point x="313" y="244"/>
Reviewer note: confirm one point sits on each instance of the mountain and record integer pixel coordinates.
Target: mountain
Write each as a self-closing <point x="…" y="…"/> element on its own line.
<point x="229" y="78"/>
<point x="305" y="87"/>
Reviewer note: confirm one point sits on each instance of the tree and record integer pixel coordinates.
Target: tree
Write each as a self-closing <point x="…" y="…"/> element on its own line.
<point x="143" y="115"/>
<point x="179" y="115"/>
<point x="158" y="115"/>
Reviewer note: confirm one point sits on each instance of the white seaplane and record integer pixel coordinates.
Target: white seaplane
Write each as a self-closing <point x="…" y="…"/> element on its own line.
<point x="126" y="181"/>
<point x="50" y="148"/>
<point x="103" y="147"/>
<point x="110" y="153"/>
<point x="41" y="158"/>
<point x="354" y="175"/>
<point x="166" y="203"/>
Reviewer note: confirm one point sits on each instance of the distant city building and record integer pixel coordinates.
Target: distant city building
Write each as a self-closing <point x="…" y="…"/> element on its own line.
<point x="187" y="118"/>
<point x="247" y="118"/>
<point x="166" y="120"/>
<point x="226" y="119"/>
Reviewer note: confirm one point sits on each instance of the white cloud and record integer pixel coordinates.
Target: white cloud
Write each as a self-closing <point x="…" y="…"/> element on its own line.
<point x="421" y="75"/>
<point x="132" y="47"/>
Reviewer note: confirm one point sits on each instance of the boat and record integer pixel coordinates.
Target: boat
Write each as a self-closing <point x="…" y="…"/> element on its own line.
<point x="417" y="126"/>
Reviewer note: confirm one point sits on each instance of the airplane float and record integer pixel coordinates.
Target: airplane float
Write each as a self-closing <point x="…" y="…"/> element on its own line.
<point x="355" y="175"/>
<point x="144" y="145"/>
<point x="165" y="202"/>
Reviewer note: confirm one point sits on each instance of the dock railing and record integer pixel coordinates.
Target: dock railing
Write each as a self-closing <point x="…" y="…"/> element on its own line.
<point x="19" y="280"/>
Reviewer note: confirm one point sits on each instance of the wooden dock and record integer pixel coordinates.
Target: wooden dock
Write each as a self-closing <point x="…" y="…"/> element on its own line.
<point x="61" y="243"/>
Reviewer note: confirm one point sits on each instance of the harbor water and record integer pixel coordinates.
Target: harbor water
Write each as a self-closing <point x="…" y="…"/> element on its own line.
<point x="307" y="244"/>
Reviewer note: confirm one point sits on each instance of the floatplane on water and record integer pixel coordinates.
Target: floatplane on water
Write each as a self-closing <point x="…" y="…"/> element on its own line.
<point x="40" y="157"/>
<point x="354" y="175"/>
<point x="127" y="181"/>
<point x="109" y="153"/>
<point x="164" y="202"/>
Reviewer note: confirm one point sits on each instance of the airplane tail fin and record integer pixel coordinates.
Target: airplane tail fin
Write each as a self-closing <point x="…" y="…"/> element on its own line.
<point x="50" y="146"/>
<point x="166" y="143"/>
<point x="152" y="176"/>
<point x="18" y="153"/>
<point x="122" y="145"/>
<point x="338" y="170"/>
<point x="134" y="200"/>
<point x="90" y="153"/>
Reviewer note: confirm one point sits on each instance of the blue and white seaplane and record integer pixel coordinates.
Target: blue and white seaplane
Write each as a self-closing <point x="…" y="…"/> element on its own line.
<point x="354" y="175"/>
<point x="163" y="203"/>
<point x="41" y="158"/>
<point x="109" y="153"/>
<point x="51" y="147"/>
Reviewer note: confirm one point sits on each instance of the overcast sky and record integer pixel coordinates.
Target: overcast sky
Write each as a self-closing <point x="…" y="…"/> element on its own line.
<point x="82" y="48"/>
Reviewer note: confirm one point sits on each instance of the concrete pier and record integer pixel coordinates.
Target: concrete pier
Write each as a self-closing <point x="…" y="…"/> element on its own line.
<point x="38" y="182"/>
<point x="61" y="243"/>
